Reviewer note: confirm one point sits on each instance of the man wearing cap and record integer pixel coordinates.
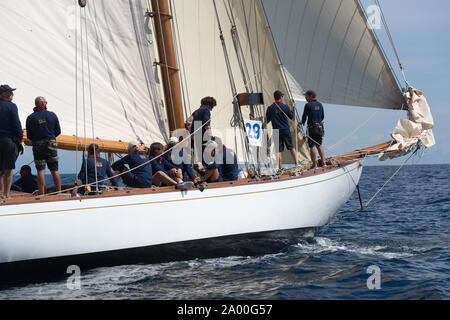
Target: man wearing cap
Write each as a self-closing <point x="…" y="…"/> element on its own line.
<point x="42" y="129"/>
<point x="279" y="114"/>
<point x="315" y="115"/>
<point x="11" y="138"/>
<point x="141" y="174"/>
<point x="95" y="169"/>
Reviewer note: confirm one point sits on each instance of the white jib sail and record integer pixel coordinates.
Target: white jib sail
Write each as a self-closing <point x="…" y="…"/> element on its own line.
<point x="38" y="58"/>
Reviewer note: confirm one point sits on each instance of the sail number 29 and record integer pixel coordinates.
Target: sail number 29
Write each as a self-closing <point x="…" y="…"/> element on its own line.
<point x="254" y="135"/>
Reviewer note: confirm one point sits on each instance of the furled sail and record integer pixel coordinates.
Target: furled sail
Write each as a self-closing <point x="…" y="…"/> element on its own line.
<point x="115" y="66"/>
<point x="327" y="46"/>
<point x="417" y="128"/>
<point x="203" y="64"/>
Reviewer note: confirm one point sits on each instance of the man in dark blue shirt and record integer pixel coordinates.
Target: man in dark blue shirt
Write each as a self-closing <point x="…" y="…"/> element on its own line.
<point x="315" y="115"/>
<point x="142" y="175"/>
<point x="223" y="165"/>
<point x="11" y="138"/>
<point x="279" y="114"/>
<point x="229" y="170"/>
<point x="97" y="169"/>
<point x="201" y="118"/>
<point x="162" y="176"/>
<point x="27" y="183"/>
<point x="42" y="129"/>
<point x="176" y="164"/>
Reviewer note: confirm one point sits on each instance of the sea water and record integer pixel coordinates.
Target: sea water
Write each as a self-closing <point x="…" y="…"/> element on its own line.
<point x="398" y="248"/>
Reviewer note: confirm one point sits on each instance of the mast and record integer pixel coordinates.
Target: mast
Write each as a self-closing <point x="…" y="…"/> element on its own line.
<point x="168" y="64"/>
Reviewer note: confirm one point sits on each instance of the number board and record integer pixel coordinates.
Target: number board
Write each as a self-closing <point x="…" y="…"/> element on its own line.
<point x="254" y="132"/>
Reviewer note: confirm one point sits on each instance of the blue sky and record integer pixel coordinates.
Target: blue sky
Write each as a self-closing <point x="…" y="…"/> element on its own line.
<point x="421" y="31"/>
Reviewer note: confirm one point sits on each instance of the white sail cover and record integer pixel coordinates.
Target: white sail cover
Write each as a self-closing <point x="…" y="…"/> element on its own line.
<point x="327" y="46"/>
<point x="203" y="62"/>
<point x="38" y="58"/>
<point x="409" y="132"/>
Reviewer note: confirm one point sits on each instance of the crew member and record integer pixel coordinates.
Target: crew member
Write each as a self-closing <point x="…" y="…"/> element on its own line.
<point x="27" y="183"/>
<point x="201" y="118"/>
<point x="42" y="129"/>
<point x="97" y="170"/>
<point x="315" y="115"/>
<point x="141" y="174"/>
<point x="176" y="164"/>
<point x="279" y="114"/>
<point x="161" y="177"/>
<point x="11" y="138"/>
<point x="223" y="165"/>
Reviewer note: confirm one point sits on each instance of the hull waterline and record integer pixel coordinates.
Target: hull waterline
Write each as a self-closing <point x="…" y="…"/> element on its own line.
<point x="124" y="229"/>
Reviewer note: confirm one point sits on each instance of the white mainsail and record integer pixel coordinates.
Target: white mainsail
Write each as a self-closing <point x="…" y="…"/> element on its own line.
<point x="327" y="46"/>
<point x="204" y="66"/>
<point x="38" y="58"/>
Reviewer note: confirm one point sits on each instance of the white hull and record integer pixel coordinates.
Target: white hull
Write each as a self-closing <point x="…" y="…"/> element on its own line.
<point x="73" y="227"/>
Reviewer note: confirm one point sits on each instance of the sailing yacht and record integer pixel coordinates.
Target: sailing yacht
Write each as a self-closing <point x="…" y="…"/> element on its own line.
<point x="116" y="71"/>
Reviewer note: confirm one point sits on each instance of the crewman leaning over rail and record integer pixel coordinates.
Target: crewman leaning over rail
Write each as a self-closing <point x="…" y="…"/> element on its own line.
<point x="11" y="138"/>
<point x="42" y="129"/>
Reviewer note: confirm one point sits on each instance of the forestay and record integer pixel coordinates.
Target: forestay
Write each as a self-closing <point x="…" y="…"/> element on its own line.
<point x="327" y="46"/>
<point x="203" y="64"/>
<point x="38" y="58"/>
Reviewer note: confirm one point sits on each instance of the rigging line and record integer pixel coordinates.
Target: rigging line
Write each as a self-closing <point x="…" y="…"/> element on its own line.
<point x="378" y="191"/>
<point x="133" y="169"/>
<point x="18" y="171"/>
<point x="238" y="49"/>
<point x="245" y="75"/>
<point x="83" y="93"/>
<point x="237" y="110"/>
<point x="259" y="72"/>
<point x="388" y="32"/>
<point x="354" y="131"/>
<point x="76" y="90"/>
<point x="166" y="65"/>
<point x="91" y="103"/>
<point x="282" y="69"/>
<point x="249" y="42"/>
<point x="380" y="47"/>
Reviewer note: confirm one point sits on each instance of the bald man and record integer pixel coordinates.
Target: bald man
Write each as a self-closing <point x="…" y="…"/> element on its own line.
<point x="42" y="129"/>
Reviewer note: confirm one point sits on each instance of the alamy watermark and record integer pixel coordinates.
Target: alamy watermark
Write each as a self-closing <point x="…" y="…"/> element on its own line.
<point x="74" y="280"/>
<point x="374" y="281"/>
<point x="374" y="19"/>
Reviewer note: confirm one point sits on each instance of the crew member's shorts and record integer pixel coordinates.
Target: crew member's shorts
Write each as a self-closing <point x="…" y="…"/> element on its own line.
<point x="45" y="153"/>
<point x="8" y="154"/>
<point x="315" y="133"/>
<point x="131" y="180"/>
<point x="285" y="142"/>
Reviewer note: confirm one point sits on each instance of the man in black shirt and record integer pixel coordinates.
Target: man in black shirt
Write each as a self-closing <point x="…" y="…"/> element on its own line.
<point x="315" y="115"/>
<point x="27" y="182"/>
